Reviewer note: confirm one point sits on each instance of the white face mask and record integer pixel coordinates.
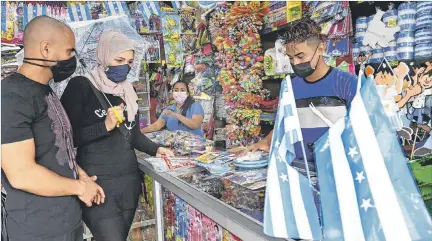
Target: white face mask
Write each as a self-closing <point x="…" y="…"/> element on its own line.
<point x="180" y="97"/>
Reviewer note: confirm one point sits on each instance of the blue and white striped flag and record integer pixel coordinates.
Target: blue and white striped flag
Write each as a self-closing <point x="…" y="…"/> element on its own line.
<point x="366" y="187"/>
<point x="289" y="210"/>
<point x="79" y="12"/>
<point x="176" y="5"/>
<point x="149" y="8"/>
<point x="115" y="8"/>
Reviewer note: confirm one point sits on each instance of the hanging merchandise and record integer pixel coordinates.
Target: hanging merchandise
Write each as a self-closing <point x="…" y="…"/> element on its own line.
<point x="173" y="53"/>
<point x="188" y="21"/>
<point x="84" y="11"/>
<point x="16" y="15"/>
<point x="234" y="29"/>
<point x="188" y="43"/>
<point x="171" y="27"/>
<point x="407" y="16"/>
<point x="338" y="47"/>
<point x="150" y="9"/>
<point x="153" y="53"/>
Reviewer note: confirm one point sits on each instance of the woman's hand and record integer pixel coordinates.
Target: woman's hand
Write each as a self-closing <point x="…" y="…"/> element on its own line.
<point x="162" y="151"/>
<point x="170" y="113"/>
<point x="111" y="118"/>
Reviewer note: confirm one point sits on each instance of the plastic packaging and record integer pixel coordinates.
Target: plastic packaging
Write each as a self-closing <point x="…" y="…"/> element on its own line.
<point x="423" y="36"/>
<point x="407" y="16"/>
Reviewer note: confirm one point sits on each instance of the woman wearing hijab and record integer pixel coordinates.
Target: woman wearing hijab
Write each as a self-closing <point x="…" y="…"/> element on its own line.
<point x="184" y="115"/>
<point x="103" y="149"/>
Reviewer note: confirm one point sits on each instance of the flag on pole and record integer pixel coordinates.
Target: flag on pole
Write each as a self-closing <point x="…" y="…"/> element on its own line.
<point x="289" y="210"/>
<point x="366" y="187"/>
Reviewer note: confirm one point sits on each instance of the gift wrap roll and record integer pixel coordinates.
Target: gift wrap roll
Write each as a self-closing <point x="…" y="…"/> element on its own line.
<point x="390" y="18"/>
<point x="359" y="36"/>
<point x="423" y="51"/>
<point x="407" y="16"/>
<point x="423" y="36"/>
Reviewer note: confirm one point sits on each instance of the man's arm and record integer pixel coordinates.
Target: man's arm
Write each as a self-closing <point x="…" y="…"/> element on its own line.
<point x="25" y="174"/>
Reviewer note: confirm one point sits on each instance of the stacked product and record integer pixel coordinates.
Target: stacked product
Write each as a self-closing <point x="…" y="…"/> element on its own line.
<point x="377" y="54"/>
<point x="423" y="33"/>
<point x="277" y="15"/>
<point x="407" y="24"/>
<point x="234" y="29"/>
<point x="390" y="20"/>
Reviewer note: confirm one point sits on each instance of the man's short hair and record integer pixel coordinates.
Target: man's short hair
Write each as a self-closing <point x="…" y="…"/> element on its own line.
<point x="41" y="26"/>
<point x="304" y="30"/>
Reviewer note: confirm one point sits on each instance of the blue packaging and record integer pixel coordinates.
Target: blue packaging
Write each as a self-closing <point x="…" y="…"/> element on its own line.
<point x="423" y="36"/>
<point x="423" y="50"/>
<point x="407" y="16"/>
<point x="424" y="21"/>
<point x="405" y="53"/>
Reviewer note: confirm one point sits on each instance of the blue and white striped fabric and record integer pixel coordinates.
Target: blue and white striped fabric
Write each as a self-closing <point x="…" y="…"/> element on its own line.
<point x="289" y="210"/>
<point x="149" y="8"/>
<point x="79" y="12"/>
<point x="366" y="187"/>
<point x="176" y="5"/>
<point x="115" y="8"/>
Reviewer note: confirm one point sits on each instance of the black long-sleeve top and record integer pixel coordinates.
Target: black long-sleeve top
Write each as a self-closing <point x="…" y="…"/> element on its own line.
<point x="102" y="153"/>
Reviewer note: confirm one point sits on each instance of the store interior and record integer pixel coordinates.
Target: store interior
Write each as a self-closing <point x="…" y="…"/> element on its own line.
<point x="231" y="54"/>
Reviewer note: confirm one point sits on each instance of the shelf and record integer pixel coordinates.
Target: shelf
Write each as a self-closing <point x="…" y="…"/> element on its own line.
<point x="143" y="224"/>
<point x="276" y="29"/>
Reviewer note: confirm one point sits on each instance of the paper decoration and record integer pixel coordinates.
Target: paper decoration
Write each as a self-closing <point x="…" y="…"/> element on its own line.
<point x="378" y="33"/>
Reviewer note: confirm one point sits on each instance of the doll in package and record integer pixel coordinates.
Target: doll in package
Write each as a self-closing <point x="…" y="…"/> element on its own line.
<point x="195" y="225"/>
<point x="169" y="215"/>
<point x="211" y="230"/>
<point x="181" y="218"/>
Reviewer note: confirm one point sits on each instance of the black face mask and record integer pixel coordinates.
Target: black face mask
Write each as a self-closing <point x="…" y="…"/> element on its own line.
<point x="305" y="69"/>
<point x="61" y="71"/>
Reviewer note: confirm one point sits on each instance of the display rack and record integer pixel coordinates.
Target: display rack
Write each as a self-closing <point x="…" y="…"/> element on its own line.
<point x="239" y="224"/>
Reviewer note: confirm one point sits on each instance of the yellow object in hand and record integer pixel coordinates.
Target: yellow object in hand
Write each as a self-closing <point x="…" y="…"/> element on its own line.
<point x="120" y="120"/>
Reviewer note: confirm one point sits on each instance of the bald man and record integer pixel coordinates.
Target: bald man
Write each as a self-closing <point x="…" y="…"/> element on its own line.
<point x="42" y="180"/>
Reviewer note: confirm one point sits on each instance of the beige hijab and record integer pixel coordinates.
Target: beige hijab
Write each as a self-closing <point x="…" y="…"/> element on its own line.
<point x="110" y="45"/>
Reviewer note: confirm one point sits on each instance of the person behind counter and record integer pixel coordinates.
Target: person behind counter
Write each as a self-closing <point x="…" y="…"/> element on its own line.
<point x="330" y="90"/>
<point x="103" y="149"/>
<point x="184" y="115"/>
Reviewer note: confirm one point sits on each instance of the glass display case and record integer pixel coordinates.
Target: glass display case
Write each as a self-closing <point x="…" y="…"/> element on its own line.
<point x="228" y="207"/>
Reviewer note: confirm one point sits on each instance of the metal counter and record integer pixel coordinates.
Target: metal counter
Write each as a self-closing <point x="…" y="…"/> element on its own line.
<point x="226" y="216"/>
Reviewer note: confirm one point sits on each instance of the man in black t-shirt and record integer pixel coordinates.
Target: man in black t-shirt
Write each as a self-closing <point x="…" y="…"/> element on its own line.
<point x="40" y="175"/>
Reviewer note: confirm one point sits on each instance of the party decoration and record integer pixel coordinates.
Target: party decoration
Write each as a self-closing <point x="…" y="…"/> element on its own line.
<point x="378" y="33"/>
<point x="234" y="30"/>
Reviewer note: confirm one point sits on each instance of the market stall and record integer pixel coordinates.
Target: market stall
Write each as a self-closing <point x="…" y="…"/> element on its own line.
<point x="232" y="55"/>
